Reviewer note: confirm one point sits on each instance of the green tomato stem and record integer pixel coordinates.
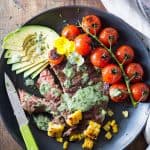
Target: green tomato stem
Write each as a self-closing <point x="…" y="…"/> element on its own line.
<point x="126" y="80"/>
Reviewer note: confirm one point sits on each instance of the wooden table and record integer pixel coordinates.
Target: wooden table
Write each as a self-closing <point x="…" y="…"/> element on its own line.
<point x="15" y="12"/>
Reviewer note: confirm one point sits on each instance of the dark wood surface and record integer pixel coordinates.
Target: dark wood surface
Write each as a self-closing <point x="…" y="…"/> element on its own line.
<point x="15" y="12"/>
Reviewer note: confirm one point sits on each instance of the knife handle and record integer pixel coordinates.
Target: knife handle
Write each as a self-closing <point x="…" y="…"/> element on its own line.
<point x="28" y="137"/>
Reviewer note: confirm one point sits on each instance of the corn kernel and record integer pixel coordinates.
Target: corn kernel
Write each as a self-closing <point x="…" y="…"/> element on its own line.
<point x="115" y="129"/>
<point x="92" y="130"/>
<point x="125" y="114"/>
<point x="76" y="137"/>
<point x="55" y="130"/>
<point x="113" y="122"/>
<point x="88" y="144"/>
<point x="108" y="135"/>
<point x="110" y="113"/>
<point x="106" y="127"/>
<point x="65" y="145"/>
<point x="74" y="118"/>
<point x="59" y="139"/>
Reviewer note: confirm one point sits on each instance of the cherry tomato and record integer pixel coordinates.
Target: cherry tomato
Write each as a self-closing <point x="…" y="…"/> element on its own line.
<point x="111" y="74"/>
<point x="125" y="54"/>
<point x="91" y="23"/>
<point x="140" y="91"/>
<point x="108" y="35"/>
<point x="54" y="58"/>
<point x="134" y="71"/>
<point x="70" y="32"/>
<point x="118" y="92"/>
<point x="100" y="57"/>
<point x="83" y="44"/>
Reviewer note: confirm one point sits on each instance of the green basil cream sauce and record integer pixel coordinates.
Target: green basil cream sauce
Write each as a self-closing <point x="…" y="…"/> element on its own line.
<point x="84" y="99"/>
<point x="44" y="88"/>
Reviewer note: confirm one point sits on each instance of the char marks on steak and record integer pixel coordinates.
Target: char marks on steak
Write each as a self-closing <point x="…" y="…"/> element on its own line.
<point x="76" y="80"/>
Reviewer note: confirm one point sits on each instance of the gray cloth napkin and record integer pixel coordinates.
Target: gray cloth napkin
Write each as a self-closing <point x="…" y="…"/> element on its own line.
<point x="130" y="13"/>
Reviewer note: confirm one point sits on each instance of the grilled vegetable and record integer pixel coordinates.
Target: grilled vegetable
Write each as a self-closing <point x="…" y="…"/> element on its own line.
<point x="55" y="130"/>
<point x="88" y="144"/>
<point x="92" y="130"/>
<point x="74" y="118"/>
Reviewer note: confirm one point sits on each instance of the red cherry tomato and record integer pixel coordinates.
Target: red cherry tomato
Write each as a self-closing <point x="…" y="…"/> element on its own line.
<point x="100" y="57"/>
<point x="83" y="44"/>
<point x="118" y="92"/>
<point x="70" y="32"/>
<point x="91" y="23"/>
<point x="125" y="54"/>
<point x="54" y="58"/>
<point x="109" y="34"/>
<point x="111" y="74"/>
<point x="140" y="91"/>
<point x="134" y="71"/>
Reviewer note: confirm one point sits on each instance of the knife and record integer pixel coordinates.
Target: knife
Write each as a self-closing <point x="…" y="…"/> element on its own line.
<point x="20" y="115"/>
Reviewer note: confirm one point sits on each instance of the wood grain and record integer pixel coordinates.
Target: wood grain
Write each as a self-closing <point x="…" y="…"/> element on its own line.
<point x="13" y="13"/>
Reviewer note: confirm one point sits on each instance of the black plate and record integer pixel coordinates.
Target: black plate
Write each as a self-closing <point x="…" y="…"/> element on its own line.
<point x="129" y="128"/>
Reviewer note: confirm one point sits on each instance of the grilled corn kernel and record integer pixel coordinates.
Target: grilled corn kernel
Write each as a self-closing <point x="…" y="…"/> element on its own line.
<point x="59" y="139"/>
<point x="65" y="145"/>
<point x="125" y="114"/>
<point x="113" y="122"/>
<point x="76" y="137"/>
<point x="106" y="127"/>
<point x="108" y="135"/>
<point x="110" y="113"/>
<point x="55" y="130"/>
<point x="115" y="129"/>
<point x="74" y="118"/>
<point x="88" y="144"/>
<point x="92" y="130"/>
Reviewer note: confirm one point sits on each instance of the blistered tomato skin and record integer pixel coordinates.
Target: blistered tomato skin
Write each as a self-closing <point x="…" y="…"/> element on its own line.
<point x="108" y="35"/>
<point x="125" y="54"/>
<point x="70" y="32"/>
<point x="134" y="71"/>
<point x="118" y="92"/>
<point x="140" y="91"/>
<point x="91" y="23"/>
<point x="111" y="74"/>
<point x="54" y="58"/>
<point x="83" y="44"/>
<point x="100" y="57"/>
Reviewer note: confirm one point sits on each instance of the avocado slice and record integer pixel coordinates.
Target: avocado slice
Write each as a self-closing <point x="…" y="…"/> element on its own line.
<point x="29" y="66"/>
<point x="35" y="74"/>
<point x="27" y="48"/>
<point x="32" y="70"/>
<point x="9" y="53"/>
<point x="17" y="39"/>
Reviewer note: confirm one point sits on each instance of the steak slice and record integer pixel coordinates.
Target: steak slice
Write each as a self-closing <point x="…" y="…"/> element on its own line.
<point x="81" y="76"/>
<point x="31" y="103"/>
<point x="48" y="89"/>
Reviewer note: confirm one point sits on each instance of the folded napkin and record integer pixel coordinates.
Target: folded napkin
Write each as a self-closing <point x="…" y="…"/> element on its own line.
<point x="129" y="12"/>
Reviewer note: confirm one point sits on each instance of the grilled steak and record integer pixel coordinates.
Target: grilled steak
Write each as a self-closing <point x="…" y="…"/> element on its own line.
<point x="72" y="77"/>
<point x="50" y="91"/>
<point x="31" y="103"/>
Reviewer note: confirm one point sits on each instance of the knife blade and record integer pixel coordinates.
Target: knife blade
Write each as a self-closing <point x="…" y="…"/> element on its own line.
<point x="20" y="115"/>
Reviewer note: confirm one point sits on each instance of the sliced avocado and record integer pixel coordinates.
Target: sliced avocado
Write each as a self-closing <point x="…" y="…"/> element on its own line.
<point x="9" y="53"/>
<point x="20" y="65"/>
<point x="29" y="66"/>
<point x="35" y="74"/>
<point x="14" y="59"/>
<point x="32" y="70"/>
<point x="16" y="40"/>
